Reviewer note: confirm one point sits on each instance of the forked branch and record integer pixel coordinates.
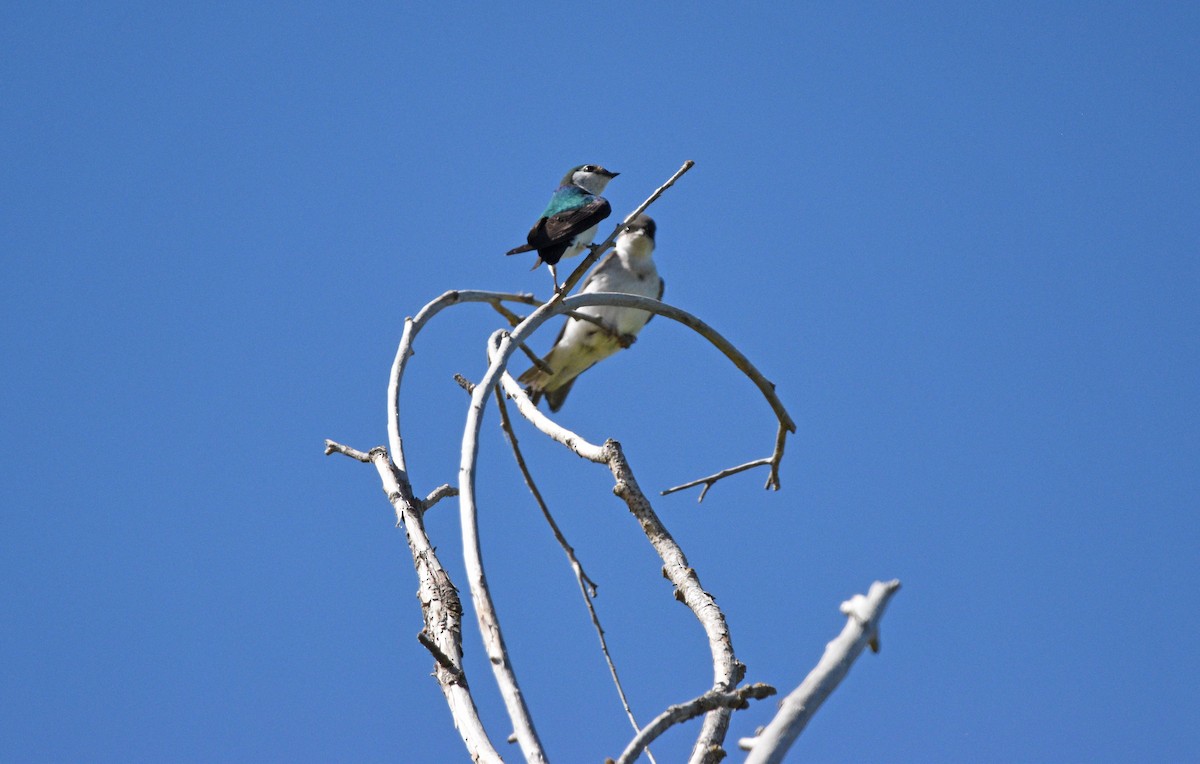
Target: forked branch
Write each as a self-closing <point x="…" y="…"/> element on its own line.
<point x="771" y="461"/>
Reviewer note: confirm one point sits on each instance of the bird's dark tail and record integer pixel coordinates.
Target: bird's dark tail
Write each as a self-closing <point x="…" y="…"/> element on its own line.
<point x="556" y="398"/>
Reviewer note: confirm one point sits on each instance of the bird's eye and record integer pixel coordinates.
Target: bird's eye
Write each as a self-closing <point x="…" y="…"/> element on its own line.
<point x="589" y="168"/>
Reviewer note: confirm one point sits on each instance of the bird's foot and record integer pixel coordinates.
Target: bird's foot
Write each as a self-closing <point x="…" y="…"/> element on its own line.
<point x="626" y="340"/>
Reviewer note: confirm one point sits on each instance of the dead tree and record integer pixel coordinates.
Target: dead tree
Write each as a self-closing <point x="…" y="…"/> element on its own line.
<point x="440" y="605"/>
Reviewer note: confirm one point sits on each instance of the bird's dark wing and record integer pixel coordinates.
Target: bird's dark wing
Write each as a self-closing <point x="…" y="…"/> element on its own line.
<point x="604" y="264"/>
<point x="561" y="227"/>
<point x="662" y="287"/>
<point x="561" y="333"/>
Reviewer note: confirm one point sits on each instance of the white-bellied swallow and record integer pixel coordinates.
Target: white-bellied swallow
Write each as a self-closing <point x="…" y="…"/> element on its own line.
<point x="629" y="268"/>
<point x="568" y="224"/>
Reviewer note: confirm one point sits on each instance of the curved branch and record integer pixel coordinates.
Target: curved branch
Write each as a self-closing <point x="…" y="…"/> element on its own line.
<point x="727" y="669"/>
<point x="481" y="598"/>
<point x="764" y="385"/>
<point x="551" y="429"/>
<point x="861" y="630"/>
<point x="412" y="327"/>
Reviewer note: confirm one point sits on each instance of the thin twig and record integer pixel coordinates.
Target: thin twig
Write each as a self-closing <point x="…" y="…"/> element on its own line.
<point x="682" y="712"/>
<point x="587" y="587"/>
<point x="771" y="461"/>
<point x="711" y="479"/>
<point x="437" y="494"/>
<point x="512" y="318"/>
<point x="535" y="358"/>
<point x="776" y="458"/>
<point x="333" y="447"/>
<point x="443" y="660"/>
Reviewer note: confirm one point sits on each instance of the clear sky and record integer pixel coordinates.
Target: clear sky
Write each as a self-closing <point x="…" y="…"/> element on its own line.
<point x="962" y="239"/>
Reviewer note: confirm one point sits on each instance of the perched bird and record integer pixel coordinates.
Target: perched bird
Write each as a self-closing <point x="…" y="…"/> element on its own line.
<point x="629" y="268"/>
<point x="569" y="222"/>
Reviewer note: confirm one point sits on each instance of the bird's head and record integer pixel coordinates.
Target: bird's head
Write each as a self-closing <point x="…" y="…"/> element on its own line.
<point x="590" y="177"/>
<point x="639" y="235"/>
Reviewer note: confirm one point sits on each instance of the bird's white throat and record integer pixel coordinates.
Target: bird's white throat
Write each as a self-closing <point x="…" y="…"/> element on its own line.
<point x="592" y="182"/>
<point x="634" y="245"/>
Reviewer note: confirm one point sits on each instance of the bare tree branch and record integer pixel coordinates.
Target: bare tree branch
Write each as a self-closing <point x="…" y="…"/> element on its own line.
<point x="535" y="359"/>
<point x="771" y="461"/>
<point x="708" y="482"/>
<point x="587" y="587"/>
<point x="682" y="712"/>
<point x="412" y="327"/>
<point x="441" y="492"/>
<point x="512" y="318"/>
<point x="776" y="458"/>
<point x="332" y="447"/>
<point x="481" y="597"/>
<point x="727" y="669"/>
<point x="862" y="629"/>
<point x="548" y="426"/>
<point x="441" y="609"/>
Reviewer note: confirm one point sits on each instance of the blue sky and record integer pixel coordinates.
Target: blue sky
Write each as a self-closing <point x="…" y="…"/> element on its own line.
<point x="961" y="239"/>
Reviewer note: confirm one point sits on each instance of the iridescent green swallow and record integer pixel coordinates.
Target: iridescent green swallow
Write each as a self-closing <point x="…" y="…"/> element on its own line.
<point x="568" y="224"/>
